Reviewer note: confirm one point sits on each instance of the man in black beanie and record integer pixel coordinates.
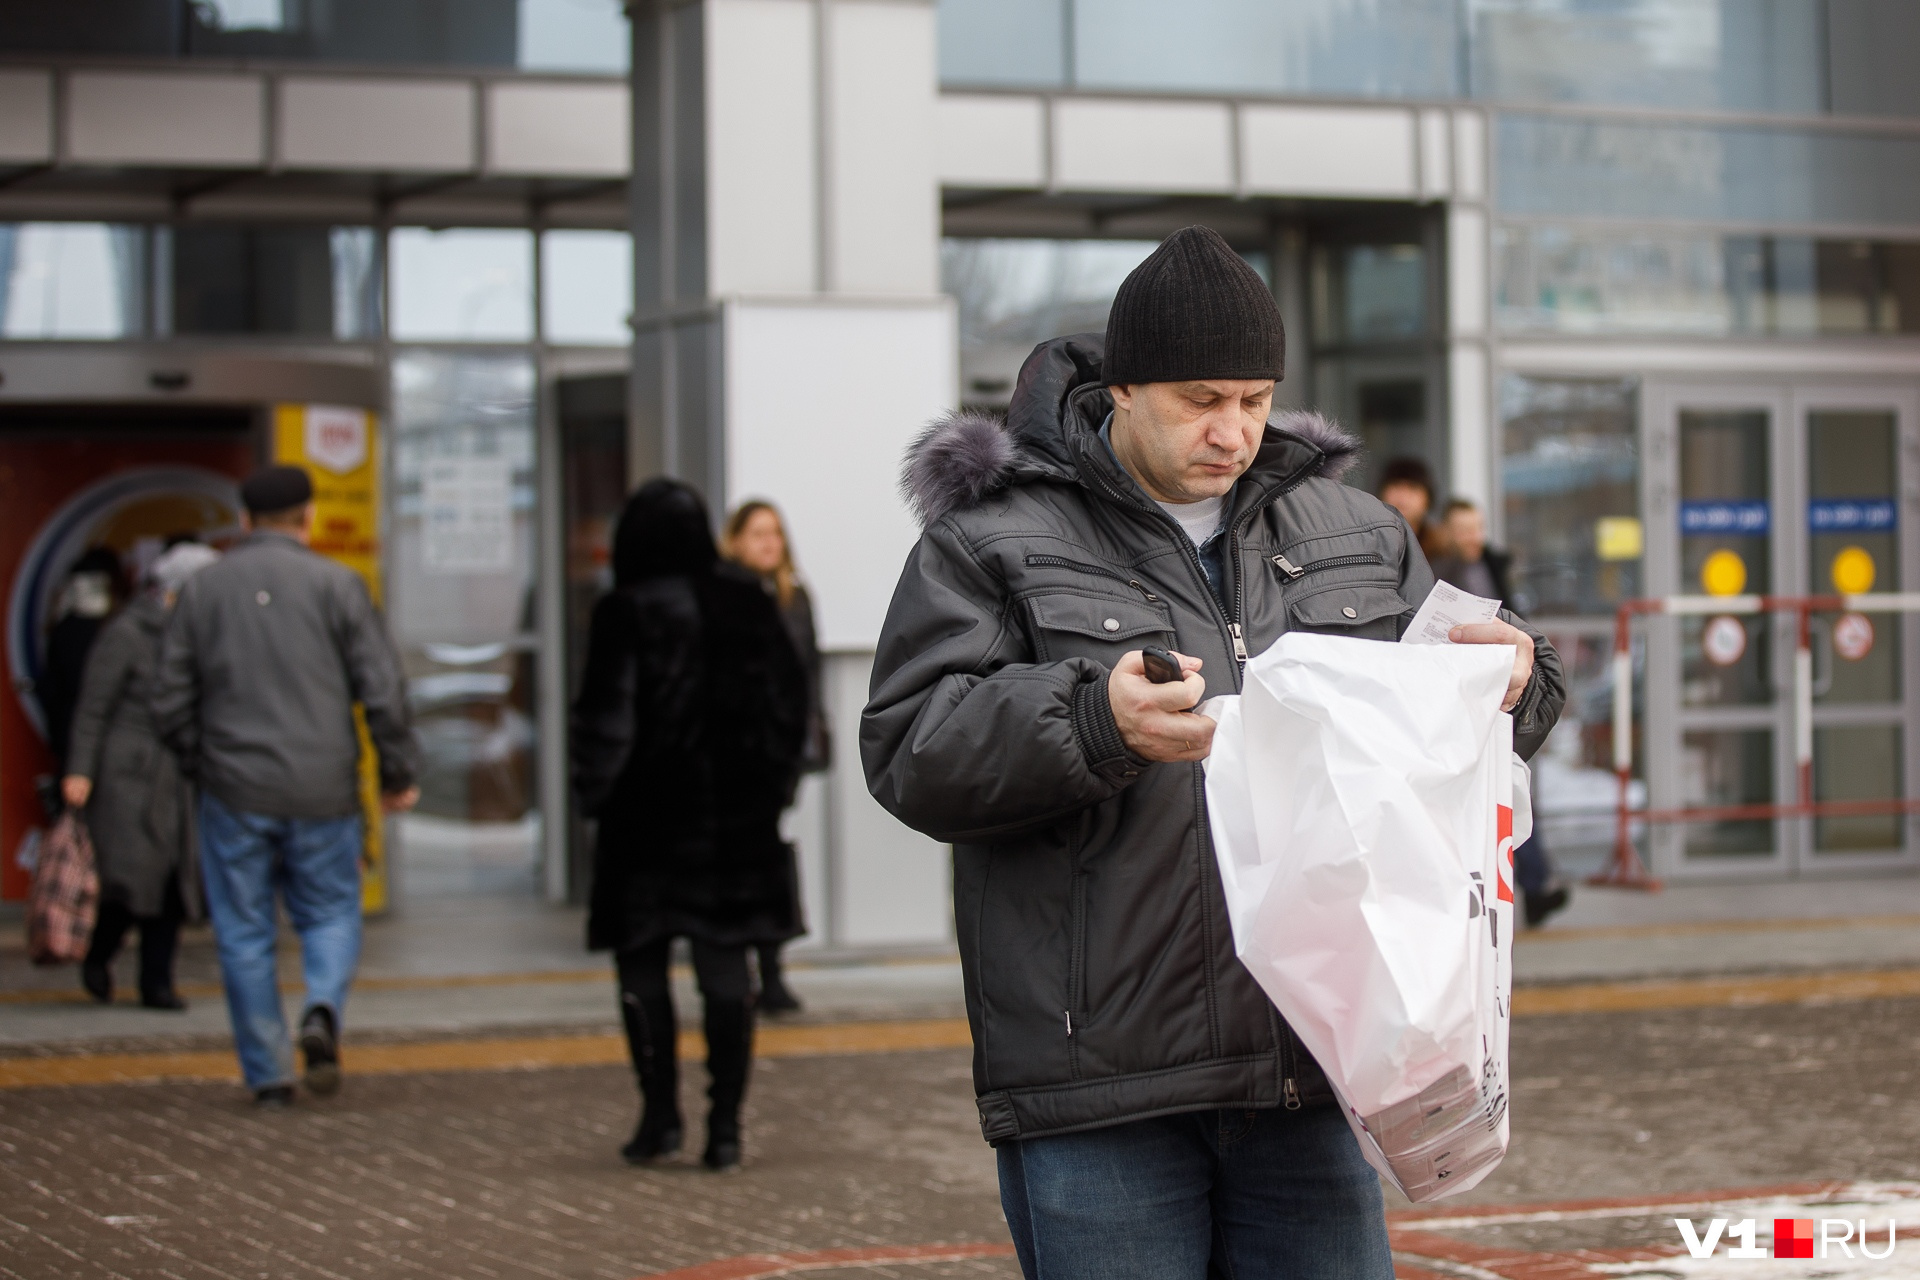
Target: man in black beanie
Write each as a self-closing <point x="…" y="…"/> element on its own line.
<point x="264" y="658"/>
<point x="1153" y="1114"/>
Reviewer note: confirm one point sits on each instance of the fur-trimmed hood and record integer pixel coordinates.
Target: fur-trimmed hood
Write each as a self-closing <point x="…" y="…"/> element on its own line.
<point x="964" y="457"/>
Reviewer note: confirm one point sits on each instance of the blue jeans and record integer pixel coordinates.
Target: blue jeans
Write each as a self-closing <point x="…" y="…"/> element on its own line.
<point x="1245" y="1195"/>
<point x="315" y="864"/>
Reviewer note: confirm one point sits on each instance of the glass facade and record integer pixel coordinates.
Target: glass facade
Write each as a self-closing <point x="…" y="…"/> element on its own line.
<point x="528" y="35"/>
<point x="72" y="280"/>
<point x="1742" y="174"/>
<point x="1794" y="57"/>
<point x="1573" y="279"/>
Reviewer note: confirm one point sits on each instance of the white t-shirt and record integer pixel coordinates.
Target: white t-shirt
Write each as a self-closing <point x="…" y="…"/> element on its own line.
<point x="1200" y="519"/>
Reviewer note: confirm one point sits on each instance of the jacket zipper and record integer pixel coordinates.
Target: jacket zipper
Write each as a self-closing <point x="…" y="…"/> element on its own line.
<point x="1289" y="1069"/>
<point x="1295" y="572"/>
<point x="1061" y="562"/>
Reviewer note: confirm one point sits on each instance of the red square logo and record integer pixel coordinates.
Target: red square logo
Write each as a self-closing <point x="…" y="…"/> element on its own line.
<point x="1793" y="1237"/>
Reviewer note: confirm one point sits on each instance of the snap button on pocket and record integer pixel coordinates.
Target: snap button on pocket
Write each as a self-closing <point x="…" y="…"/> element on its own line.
<point x="1350" y="612"/>
<point x="1111" y="624"/>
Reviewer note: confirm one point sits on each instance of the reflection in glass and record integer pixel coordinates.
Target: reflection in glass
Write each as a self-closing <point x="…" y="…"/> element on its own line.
<point x="1724" y="768"/>
<point x="1003" y="42"/>
<point x="309" y="281"/>
<point x="1570" y="476"/>
<point x="72" y="280"/>
<point x="574" y="35"/>
<point x="1852" y="465"/>
<point x="1368" y="292"/>
<point x="461" y="556"/>
<point x="1566" y="279"/>
<point x="1366" y="48"/>
<point x="1725" y="510"/>
<point x="463" y="284"/>
<point x="1858" y="762"/>
<point x="586" y="280"/>
<point x="1554" y="165"/>
<point x="1742" y="55"/>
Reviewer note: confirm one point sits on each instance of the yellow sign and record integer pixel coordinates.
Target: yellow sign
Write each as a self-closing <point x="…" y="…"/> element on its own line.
<point x="1618" y="538"/>
<point x="1724" y="574"/>
<point x="338" y="445"/>
<point x="1853" y="571"/>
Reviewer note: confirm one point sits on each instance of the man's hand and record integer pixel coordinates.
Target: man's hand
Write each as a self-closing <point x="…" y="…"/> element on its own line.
<point x="1498" y="632"/>
<point x="1156" y="720"/>
<point x="400" y="801"/>
<point x="74" y="789"/>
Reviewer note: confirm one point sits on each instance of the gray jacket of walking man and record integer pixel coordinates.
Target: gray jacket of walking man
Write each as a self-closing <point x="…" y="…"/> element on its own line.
<point x="264" y="658"/>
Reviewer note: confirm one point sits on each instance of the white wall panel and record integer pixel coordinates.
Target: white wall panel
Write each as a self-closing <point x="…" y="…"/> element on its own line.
<point x="762" y="148"/>
<point x="1471" y="428"/>
<point x="570" y="130"/>
<point x="1102" y="144"/>
<point x="26" y="116"/>
<point x="165" y="118"/>
<point x="883" y="203"/>
<point x="991" y="141"/>
<point x="1470" y="155"/>
<point x="892" y="886"/>
<point x="1436" y="155"/>
<point x="1328" y="151"/>
<point x="821" y="402"/>
<point x="1466" y="271"/>
<point x="386" y="124"/>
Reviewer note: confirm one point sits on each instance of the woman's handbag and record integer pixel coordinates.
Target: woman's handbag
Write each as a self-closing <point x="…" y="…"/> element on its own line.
<point x="65" y="897"/>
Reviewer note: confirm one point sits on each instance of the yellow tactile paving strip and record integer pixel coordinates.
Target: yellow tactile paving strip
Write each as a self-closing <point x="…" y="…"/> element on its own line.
<point x="780" y="1041"/>
<point x="1702" y="927"/>
<point x="491" y="1054"/>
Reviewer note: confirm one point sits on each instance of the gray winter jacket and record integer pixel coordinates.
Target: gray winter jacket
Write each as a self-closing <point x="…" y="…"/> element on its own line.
<point x="265" y="656"/>
<point x="1101" y="979"/>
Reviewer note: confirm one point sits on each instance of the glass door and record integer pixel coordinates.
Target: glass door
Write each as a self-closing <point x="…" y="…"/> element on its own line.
<point x="1781" y="491"/>
<point x="1719" y="728"/>
<point x="1854" y="490"/>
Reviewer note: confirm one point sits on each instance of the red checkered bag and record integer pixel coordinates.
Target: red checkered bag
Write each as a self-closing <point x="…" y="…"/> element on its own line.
<point x="65" y="896"/>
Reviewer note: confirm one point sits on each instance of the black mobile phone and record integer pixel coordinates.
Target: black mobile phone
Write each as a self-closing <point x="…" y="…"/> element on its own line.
<point x="1162" y="667"/>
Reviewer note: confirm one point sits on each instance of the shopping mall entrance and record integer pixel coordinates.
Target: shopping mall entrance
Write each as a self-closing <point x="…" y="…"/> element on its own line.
<point x="1790" y="489"/>
<point x="425" y="466"/>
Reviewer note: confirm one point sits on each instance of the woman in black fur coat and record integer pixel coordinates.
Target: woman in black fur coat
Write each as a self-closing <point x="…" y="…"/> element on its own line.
<point x="687" y="739"/>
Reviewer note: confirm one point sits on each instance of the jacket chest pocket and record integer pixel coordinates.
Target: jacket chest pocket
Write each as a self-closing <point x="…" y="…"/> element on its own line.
<point x="1366" y="612"/>
<point x="1099" y="627"/>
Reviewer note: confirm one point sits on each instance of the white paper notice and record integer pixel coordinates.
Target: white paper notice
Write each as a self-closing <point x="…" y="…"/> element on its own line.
<point x="1447" y="607"/>
<point x="467" y="515"/>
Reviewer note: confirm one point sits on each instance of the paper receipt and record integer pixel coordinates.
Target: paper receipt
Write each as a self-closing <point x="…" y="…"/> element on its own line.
<point x="1447" y="607"/>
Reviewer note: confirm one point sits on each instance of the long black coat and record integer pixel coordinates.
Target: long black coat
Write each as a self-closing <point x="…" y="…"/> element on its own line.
<point x="687" y="739"/>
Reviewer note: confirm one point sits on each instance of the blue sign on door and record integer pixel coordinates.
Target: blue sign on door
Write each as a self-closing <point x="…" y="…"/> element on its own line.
<point x="1846" y="515"/>
<point x="1724" y="517"/>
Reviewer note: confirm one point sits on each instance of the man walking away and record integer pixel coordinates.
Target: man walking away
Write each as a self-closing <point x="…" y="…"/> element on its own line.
<point x="1153" y="1115"/>
<point x="264" y="658"/>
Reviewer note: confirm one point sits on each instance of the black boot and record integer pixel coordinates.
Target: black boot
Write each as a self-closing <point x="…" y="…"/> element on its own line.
<point x="651" y="1036"/>
<point x="729" y="1025"/>
<point x="775" y="996"/>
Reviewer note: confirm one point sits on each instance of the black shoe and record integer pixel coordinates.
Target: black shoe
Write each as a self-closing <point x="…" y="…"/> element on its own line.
<point x="649" y="1145"/>
<point x="97" y="977"/>
<point x="322" y="1051"/>
<point x="168" y="999"/>
<point x="722" y="1155"/>
<point x="777" y="999"/>
<point x="275" y="1097"/>
<point x="1541" y="905"/>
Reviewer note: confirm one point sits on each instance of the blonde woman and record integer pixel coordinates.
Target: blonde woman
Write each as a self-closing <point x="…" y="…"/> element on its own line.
<point x="755" y="538"/>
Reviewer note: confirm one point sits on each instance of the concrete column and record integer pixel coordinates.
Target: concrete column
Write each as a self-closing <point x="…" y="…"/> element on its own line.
<point x="790" y="340"/>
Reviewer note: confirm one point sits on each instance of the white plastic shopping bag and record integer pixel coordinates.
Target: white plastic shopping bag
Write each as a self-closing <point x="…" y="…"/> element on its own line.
<point x="1361" y="799"/>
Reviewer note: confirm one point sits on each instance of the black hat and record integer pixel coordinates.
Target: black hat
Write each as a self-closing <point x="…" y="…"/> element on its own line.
<point x="1194" y="309"/>
<point x="272" y="489"/>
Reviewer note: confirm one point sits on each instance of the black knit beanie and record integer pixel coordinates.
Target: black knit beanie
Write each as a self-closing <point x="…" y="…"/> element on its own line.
<point x="1193" y="310"/>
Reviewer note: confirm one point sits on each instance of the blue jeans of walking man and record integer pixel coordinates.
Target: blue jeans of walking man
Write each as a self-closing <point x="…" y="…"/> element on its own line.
<point x="314" y="865"/>
<point x="1248" y="1195"/>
